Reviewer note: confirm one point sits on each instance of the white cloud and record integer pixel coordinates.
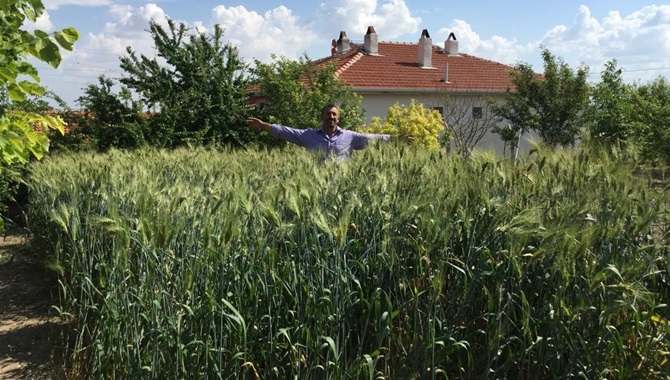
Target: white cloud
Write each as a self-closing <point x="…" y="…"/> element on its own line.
<point x="277" y="31"/>
<point x="496" y="48"/>
<point x="55" y="4"/>
<point x="131" y="21"/>
<point x="98" y="53"/>
<point x="391" y="19"/>
<point x="638" y="40"/>
<point x="42" y="23"/>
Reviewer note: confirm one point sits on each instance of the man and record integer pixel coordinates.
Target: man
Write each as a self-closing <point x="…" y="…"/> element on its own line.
<point x="330" y="140"/>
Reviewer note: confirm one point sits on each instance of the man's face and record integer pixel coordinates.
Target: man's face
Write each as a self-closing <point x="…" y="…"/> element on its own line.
<point x="330" y="117"/>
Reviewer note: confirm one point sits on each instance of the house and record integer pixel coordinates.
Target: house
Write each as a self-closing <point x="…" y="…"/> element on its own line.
<point x="440" y="77"/>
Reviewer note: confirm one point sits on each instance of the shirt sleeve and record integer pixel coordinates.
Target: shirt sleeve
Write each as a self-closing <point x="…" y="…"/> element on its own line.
<point x="292" y="135"/>
<point x="361" y="140"/>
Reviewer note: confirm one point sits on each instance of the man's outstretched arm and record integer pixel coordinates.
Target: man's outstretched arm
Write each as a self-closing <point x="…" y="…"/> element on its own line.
<point x="259" y="124"/>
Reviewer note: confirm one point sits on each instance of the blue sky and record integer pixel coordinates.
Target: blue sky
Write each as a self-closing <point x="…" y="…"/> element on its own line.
<point x="636" y="33"/>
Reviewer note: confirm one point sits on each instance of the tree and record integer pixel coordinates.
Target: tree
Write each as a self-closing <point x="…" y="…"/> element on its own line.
<point x="651" y="120"/>
<point x="468" y="119"/>
<point x="423" y="123"/>
<point x="118" y="120"/>
<point x="610" y="110"/>
<point x="199" y="87"/>
<point x="293" y="92"/>
<point x="550" y="105"/>
<point x="23" y="133"/>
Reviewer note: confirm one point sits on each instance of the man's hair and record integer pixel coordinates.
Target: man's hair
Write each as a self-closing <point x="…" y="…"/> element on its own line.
<point x="327" y="107"/>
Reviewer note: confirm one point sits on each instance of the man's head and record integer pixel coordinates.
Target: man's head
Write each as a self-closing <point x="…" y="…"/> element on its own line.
<point x="330" y="116"/>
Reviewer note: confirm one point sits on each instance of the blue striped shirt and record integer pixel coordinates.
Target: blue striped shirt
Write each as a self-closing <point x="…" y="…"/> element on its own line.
<point x="340" y="144"/>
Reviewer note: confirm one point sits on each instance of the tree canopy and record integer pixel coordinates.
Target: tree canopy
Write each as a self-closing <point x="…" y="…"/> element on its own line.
<point x="651" y="120"/>
<point x="196" y="81"/>
<point x="23" y="133"/>
<point x="292" y="92"/>
<point x="550" y="104"/>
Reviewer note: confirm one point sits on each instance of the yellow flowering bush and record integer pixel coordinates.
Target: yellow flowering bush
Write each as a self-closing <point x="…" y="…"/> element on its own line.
<point x="426" y="125"/>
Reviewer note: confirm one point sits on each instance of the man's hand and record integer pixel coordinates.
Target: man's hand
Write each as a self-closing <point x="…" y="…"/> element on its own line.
<point x="258" y="124"/>
<point x="406" y="138"/>
<point x="409" y="139"/>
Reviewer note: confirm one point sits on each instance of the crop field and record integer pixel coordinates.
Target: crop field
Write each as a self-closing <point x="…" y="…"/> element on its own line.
<point x="397" y="264"/>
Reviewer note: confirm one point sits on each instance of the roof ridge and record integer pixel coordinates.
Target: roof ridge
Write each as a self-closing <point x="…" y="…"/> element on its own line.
<point x="398" y="43"/>
<point x="486" y="60"/>
<point x="353" y="59"/>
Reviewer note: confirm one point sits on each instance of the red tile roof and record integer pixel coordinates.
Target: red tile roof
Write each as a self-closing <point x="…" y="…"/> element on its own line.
<point x="396" y="68"/>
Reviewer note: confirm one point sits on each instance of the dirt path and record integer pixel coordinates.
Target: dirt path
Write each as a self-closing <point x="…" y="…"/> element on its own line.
<point x="28" y="329"/>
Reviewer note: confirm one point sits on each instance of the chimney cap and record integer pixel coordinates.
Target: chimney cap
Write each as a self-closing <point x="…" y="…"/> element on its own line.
<point x="452" y="36"/>
<point x="425" y="33"/>
<point x="371" y="30"/>
<point x="343" y="35"/>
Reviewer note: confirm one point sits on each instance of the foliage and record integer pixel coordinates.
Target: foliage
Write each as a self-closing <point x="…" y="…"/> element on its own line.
<point x="23" y="133"/>
<point x="19" y="139"/>
<point x="111" y="120"/>
<point x="611" y="107"/>
<point x="550" y="105"/>
<point x="198" y="86"/>
<point x="424" y="124"/>
<point x="293" y="93"/>
<point x="651" y="120"/>
<point x="397" y="263"/>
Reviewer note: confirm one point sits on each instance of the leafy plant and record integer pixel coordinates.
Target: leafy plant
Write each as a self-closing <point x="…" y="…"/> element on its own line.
<point x="424" y="124"/>
<point x="651" y="120"/>
<point x="611" y="108"/>
<point x="111" y="120"/>
<point x="293" y="92"/>
<point x="23" y="133"/>
<point x="551" y="104"/>
<point x="196" y="82"/>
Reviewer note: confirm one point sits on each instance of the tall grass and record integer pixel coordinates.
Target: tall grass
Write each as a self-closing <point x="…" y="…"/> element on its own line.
<point x="395" y="264"/>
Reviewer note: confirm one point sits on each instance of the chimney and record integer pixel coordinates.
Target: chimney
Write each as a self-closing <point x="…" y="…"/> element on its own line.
<point x="371" y="43"/>
<point x="451" y="45"/>
<point x="425" y="50"/>
<point x="343" y="43"/>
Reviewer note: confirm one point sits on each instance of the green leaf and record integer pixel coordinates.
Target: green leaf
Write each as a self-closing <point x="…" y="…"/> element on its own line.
<point x="30" y="13"/>
<point x="38" y="6"/>
<point x="40" y="34"/>
<point x="26" y="68"/>
<point x="7" y="75"/>
<point x="50" y="53"/>
<point x="67" y="37"/>
<point x="31" y="88"/>
<point x="15" y="93"/>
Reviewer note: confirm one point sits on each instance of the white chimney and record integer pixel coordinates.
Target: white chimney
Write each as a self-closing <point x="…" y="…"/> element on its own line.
<point x="451" y="45"/>
<point x="343" y="43"/>
<point x="425" y="49"/>
<point x="371" y="42"/>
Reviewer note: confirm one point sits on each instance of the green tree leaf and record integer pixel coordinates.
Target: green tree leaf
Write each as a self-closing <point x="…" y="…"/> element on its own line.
<point x="67" y="37"/>
<point x="49" y="53"/>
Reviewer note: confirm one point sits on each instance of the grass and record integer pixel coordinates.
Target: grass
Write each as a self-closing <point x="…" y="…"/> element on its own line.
<point x="396" y="264"/>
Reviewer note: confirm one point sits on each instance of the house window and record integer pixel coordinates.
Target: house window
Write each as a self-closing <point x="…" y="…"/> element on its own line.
<point x="476" y="112"/>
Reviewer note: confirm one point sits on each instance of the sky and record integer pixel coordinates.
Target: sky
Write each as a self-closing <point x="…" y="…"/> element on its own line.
<point x="635" y="33"/>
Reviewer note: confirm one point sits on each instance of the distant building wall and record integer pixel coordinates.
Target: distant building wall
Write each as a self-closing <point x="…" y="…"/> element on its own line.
<point x="378" y="103"/>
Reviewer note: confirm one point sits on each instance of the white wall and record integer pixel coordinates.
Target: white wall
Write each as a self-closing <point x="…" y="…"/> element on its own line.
<point x="378" y="103"/>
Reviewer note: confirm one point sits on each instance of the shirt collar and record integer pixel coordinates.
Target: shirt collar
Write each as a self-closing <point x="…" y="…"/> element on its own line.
<point x="338" y="130"/>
